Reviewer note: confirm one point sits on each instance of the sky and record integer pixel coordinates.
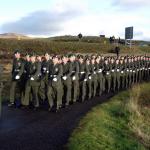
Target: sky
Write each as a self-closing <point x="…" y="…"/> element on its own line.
<point x="46" y="18"/>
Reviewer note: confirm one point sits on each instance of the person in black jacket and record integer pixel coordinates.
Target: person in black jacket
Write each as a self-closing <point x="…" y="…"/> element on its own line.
<point x="117" y="50"/>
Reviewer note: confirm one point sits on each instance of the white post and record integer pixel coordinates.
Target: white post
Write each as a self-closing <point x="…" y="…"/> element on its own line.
<point x="130" y="43"/>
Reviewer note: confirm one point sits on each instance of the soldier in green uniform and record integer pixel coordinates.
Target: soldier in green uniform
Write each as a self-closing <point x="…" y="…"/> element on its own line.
<point x="133" y="70"/>
<point x="25" y="75"/>
<point x="122" y="74"/>
<point x="113" y="74"/>
<point x="54" y="92"/>
<point x="66" y="80"/>
<point x="1" y="87"/>
<point x="83" y="76"/>
<point x="103" y="78"/>
<point x="126" y="71"/>
<point x="17" y="71"/>
<point x="74" y="78"/>
<point x="107" y="68"/>
<point x="148" y="68"/>
<point x="118" y="74"/>
<point x="139" y="69"/>
<point x="45" y="65"/>
<point x="32" y="85"/>
<point x="99" y="72"/>
<point x="89" y="80"/>
<point x="130" y="72"/>
<point x="136" y="69"/>
<point x="94" y="76"/>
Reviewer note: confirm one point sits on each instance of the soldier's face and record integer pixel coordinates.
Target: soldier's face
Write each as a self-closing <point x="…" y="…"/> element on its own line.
<point x="72" y="58"/>
<point x="64" y="59"/>
<point x="93" y="61"/>
<point x="55" y="60"/>
<point x="17" y="55"/>
<point x="97" y="60"/>
<point x="60" y="61"/>
<point x="88" y="62"/>
<point x="33" y="58"/>
<point x="39" y="58"/>
<point x="28" y="58"/>
<point x="81" y="60"/>
<point x="47" y="57"/>
<point x="112" y="61"/>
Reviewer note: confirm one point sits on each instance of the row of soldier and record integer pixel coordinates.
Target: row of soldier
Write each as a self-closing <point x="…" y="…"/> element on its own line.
<point x="63" y="80"/>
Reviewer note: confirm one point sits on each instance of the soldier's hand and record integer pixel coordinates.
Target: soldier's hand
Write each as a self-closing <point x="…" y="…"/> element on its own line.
<point x="32" y="78"/>
<point x="85" y="80"/>
<point x="55" y="79"/>
<point x="90" y="77"/>
<point x="17" y="77"/>
<point x="64" y="77"/>
<point x="73" y="78"/>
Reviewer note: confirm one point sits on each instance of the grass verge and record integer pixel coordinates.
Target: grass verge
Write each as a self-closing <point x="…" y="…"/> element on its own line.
<point x="121" y="124"/>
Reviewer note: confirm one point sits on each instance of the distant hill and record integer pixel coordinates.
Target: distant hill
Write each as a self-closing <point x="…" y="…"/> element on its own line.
<point x="70" y="38"/>
<point x="13" y="36"/>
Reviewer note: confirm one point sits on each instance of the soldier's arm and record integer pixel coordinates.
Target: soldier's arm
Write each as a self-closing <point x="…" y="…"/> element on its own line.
<point x="1" y="71"/>
<point x="60" y="72"/>
<point x="12" y="70"/>
<point x="70" y="70"/>
<point x="77" y="69"/>
<point x="87" y="72"/>
<point x="38" y="71"/>
<point x="92" y="69"/>
<point x="22" y="69"/>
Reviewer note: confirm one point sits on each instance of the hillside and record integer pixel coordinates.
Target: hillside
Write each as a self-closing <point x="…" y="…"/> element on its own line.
<point x="66" y="44"/>
<point x="13" y="36"/>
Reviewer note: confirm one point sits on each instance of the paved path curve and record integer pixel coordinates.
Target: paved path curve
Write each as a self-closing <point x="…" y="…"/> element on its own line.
<point x="42" y="130"/>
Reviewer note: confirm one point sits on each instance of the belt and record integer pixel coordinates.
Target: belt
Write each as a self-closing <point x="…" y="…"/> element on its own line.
<point x="100" y="70"/>
<point x="17" y="70"/>
<point x="82" y="72"/>
<point x="53" y="75"/>
<point x="44" y="69"/>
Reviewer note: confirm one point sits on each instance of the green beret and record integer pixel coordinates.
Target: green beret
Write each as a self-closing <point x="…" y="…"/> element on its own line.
<point x="17" y="51"/>
<point x="33" y="54"/>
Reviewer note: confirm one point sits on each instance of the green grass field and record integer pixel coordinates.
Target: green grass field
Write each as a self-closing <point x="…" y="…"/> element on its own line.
<point x="68" y="44"/>
<point x="121" y="124"/>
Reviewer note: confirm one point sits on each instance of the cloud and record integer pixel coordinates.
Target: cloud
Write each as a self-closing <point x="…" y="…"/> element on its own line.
<point x="46" y="22"/>
<point x="72" y="17"/>
<point x="128" y="4"/>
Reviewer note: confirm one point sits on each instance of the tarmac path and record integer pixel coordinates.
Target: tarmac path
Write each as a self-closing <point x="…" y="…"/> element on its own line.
<point x="26" y="129"/>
